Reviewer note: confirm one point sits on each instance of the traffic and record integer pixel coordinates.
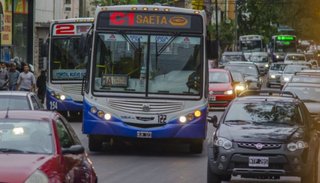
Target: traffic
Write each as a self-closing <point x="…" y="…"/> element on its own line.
<point x="148" y="99"/>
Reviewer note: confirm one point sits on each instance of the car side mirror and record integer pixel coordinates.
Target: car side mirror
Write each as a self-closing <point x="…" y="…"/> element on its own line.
<point x="74" y="149"/>
<point x="213" y="120"/>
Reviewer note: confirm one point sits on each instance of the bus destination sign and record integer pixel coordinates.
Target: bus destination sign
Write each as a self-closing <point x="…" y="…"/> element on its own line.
<point x="148" y="20"/>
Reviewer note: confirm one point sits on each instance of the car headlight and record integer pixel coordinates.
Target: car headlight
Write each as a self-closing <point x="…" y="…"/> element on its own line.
<point x="277" y="56"/>
<point x="37" y="177"/>
<point x="286" y="79"/>
<point x="293" y="146"/>
<point x="273" y="76"/>
<point x="267" y="65"/>
<point x="239" y="88"/>
<point x="223" y="142"/>
<point x="228" y="92"/>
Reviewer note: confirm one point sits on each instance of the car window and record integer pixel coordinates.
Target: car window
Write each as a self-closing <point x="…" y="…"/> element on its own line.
<point x="266" y="113"/>
<point x="305" y="93"/>
<point x="291" y="69"/>
<point x="64" y="136"/>
<point x="14" y="102"/>
<point x="246" y="69"/>
<point x="219" y="77"/>
<point x="278" y="67"/>
<point x="35" y="103"/>
<point x="237" y="76"/>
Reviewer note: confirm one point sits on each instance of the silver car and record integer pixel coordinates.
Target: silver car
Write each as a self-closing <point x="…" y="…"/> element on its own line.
<point x="289" y="71"/>
<point x="261" y="59"/>
<point x="274" y="73"/>
<point x="19" y="100"/>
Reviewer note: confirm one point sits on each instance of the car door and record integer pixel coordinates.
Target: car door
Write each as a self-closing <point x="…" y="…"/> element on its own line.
<point x="71" y="162"/>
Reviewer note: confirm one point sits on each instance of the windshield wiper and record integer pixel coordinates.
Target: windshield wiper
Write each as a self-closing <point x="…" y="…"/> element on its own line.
<point x="274" y="123"/>
<point x="238" y="121"/>
<point x="11" y="150"/>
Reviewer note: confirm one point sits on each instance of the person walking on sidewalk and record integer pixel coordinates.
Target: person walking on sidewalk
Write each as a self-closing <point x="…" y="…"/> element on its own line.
<point x="4" y="77"/>
<point x="41" y="85"/>
<point x="26" y="80"/>
<point x="13" y="77"/>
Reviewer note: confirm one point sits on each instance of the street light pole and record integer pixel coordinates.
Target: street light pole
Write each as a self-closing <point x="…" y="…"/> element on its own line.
<point x="217" y="31"/>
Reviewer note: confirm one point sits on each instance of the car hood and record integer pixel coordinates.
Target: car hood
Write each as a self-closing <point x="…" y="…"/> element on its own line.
<point x="219" y="86"/>
<point x="18" y="167"/>
<point x="259" y="133"/>
<point x="313" y="107"/>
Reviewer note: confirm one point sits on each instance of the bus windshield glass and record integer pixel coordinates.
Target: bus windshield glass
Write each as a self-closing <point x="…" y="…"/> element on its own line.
<point x="148" y="63"/>
<point x="66" y="62"/>
<point x="251" y="45"/>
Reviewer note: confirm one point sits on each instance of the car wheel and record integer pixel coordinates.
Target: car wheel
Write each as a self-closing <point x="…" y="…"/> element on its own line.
<point x="95" y="143"/>
<point x="212" y="177"/>
<point x="196" y="147"/>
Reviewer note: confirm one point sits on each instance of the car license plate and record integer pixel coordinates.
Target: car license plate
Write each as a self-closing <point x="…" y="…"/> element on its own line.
<point x="213" y="98"/>
<point x="147" y="135"/>
<point x="255" y="161"/>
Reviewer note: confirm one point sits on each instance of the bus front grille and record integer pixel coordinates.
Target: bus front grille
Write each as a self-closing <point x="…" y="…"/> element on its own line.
<point x="72" y="88"/>
<point x="141" y="107"/>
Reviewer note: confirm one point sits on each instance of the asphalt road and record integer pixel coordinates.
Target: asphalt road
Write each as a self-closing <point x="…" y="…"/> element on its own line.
<point x="155" y="163"/>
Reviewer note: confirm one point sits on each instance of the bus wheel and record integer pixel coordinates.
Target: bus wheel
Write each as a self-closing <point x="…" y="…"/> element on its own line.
<point x="196" y="147"/>
<point x="95" y="143"/>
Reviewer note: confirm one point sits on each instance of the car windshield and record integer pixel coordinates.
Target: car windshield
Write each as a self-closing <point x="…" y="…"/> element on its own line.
<point x="218" y="77"/>
<point x="296" y="57"/>
<point x="14" y="102"/>
<point x="259" y="58"/>
<point x="237" y="76"/>
<point x="305" y="79"/>
<point x="173" y="64"/>
<point x="291" y="69"/>
<point x="265" y="113"/>
<point x="25" y="136"/>
<point x="305" y="93"/>
<point x="277" y="67"/>
<point x="245" y="69"/>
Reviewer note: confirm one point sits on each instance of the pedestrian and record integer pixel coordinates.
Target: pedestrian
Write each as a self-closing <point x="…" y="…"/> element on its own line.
<point x="4" y="76"/>
<point x="41" y="85"/>
<point x="26" y="80"/>
<point x="13" y="77"/>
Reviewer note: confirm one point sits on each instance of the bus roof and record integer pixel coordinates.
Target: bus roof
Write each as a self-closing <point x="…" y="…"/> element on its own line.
<point x="73" y="20"/>
<point x="155" y="8"/>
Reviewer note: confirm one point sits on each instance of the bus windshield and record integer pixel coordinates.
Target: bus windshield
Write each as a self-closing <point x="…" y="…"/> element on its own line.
<point x="171" y="63"/>
<point x="66" y="62"/>
<point x="251" y="45"/>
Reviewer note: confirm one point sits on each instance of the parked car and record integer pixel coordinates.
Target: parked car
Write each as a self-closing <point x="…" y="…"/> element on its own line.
<point x="274" y="74"/>
<point x="264" y="136"/>
<point x="19" y="100"/>
<point x="250" y="72"/>
<point x="221" y="88"/>
<point x="261" y="59"/>
<point x="41" y="146"/>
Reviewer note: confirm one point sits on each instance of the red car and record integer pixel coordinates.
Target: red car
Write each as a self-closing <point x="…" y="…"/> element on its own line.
<point x="40" y="146"/>
<point x="221" y="88"/>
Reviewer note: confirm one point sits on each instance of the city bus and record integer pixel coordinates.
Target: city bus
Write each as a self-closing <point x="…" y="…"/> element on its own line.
<point x="251" y="43"/>
<point x="147" y="78"/>
<point x="66" y="66"/>
<point x="282" y="44"/>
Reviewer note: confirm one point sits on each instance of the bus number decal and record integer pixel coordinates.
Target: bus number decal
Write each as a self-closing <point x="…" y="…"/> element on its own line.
<point x="162" y="118"/>
<point x="120" y="18"/>
<point x="53" y="105"/>
<point x="65" y="29"/>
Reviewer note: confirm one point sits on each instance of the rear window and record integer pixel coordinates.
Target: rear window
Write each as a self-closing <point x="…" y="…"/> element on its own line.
<point x="14" y="103"/>
<point x="218" y="77"/>
<point x="278" y="67"/>
<point x="266" y="113"/>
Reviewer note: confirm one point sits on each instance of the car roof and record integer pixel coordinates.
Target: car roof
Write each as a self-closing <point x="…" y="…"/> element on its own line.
<point x="28" y="114"/>
<point x="16" y="93"/>
<point x="266" y="95"/>
<point x="218" y="70"/>
<point x="232" y="53"/>
<point x="303" y="84"/>
<point x="265" y="98"/>
<point x="239" y="63"/>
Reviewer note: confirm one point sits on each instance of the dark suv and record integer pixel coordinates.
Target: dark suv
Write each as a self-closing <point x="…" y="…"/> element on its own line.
<point x="264" y="135"/>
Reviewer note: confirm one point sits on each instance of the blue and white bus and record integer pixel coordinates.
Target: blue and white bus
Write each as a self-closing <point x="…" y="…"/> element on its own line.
<point x="66" y="66"/>
<point x="281" y="45"/>
<point x="147" y="77"/>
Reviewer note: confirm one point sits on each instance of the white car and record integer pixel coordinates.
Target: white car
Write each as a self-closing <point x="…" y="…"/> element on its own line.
<point x="289" y="71"/>
<point x="19" y="100"/>
<point x="295" y="57"/>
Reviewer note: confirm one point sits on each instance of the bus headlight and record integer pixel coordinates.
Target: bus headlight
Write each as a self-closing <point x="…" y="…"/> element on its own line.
<point x="286" y="79"/>
<point x="62" y="97"/>
<point x="197" y="113"/>
<point x="267" y="65"/>
<point x="100" y="114"/>
<point x="107" y="116"/>
<point x="273" y="76"/>
<point x="182" y="119"/>
<point x="93" y="110"/>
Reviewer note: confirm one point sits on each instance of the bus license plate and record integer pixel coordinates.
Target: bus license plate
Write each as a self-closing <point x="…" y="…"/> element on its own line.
<point x="146" y="135"/>
<point x="255" y="161"/>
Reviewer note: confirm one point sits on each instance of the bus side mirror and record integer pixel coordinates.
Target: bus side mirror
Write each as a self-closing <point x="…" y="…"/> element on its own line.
<point x="85" y="44"/>
<point x="44" y="49"/>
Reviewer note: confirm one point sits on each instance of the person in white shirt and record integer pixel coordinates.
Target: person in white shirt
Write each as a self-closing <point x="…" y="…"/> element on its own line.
<point x="26" y="80"/>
